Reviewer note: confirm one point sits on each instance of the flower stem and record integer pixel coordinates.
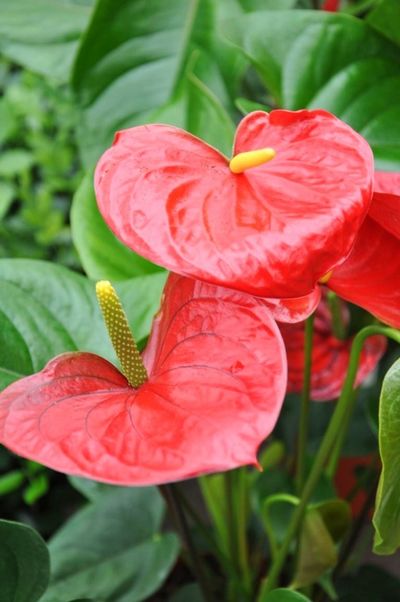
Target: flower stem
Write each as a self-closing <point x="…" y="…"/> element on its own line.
<point x="325" y="449"/>
<point x="305" y="403"/>
<point x="338" y="325"/>
<point x="178" y="516"/>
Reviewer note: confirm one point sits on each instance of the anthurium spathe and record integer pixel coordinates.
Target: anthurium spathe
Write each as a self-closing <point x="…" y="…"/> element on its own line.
<point x="271" y="221"/>
<point x="330" y="355"/>
<point x="207" y="390"/>
<point x="370" y="276"/>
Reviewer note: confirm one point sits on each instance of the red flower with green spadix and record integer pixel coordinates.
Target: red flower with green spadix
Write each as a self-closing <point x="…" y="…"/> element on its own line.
<point x="330" y="354"/>
<point x="271" y="221"/>
<point x="201" y="398"/>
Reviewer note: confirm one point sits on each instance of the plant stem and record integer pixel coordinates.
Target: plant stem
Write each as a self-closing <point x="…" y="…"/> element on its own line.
<point x="178" y="516"/>
<point x="325" y="449"/>
<point x="335" y="455"/>
<point x="305" y="403"/>
<point x="338" y="326"/>
<point x="242" y="502"/>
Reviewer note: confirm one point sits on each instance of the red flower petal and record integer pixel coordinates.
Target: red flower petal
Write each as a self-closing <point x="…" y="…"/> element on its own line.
<point x="295" y="309"/>
<point x="217" y="380"/>
<point x="331" y="6"/>
<point x="330" y="357"/>
<point x="271" y="231"/>
<point x="370" y="276"/>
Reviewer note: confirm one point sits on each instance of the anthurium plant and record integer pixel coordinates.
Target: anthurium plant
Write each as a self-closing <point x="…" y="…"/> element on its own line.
<point x="221" y="380"/>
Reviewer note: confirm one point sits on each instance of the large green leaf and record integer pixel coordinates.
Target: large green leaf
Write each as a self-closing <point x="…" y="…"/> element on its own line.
<point x="142" y="64"/>
<point x="42" y="35"/>
<point x="331" y="61"/>
<point x="284" y="595"/>
<point x="121" y="557"/>
<point x="46" y="309"/>
<point x="101" y="253"/>
<point x="386" y="518"/>
<point x="385" y="17"/>
<point x="24" y="563"/>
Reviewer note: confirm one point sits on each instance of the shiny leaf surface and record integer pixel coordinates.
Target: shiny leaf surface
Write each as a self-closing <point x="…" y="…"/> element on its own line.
<point x="386" y="518"/>
<point x="174" y="200"/>
<point x="121" y="557"/>
<point x="46" y="309"/>
<point x="217" y="375"/>
<point x="24" y="563"/>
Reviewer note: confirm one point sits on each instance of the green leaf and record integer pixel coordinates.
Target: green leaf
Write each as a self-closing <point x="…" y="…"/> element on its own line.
<point x="336" y="515"/>
<point x="24" y="563"/>
<point x="246" y="106"/>
<point x="92" y="490"/>
<point x="330" y="61"/>
<point x="42" y="35"/>
<point x="317" y="551"/>
<point x="276" y="512"/>
<point x="102" y="255"/>
<point x="11" y="481"/>
<point x="386" y="519"/>
<point x="121" y="558"/>
<point x="14" y="162"/>
<point x="46" y="309"/>
<point x="7" y="193"/>
<point x="142" y="67"/>
<point x="284" y="595"/>
<point x="385" y="17"/>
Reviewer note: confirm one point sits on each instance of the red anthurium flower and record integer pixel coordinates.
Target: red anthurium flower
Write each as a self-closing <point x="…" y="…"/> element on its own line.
<point x="330" y="356"/>
<point x="216" y="380"/>
<point x="370" y="276"/>
<point x="331" y="6"/>
<point x="271" y="222"/>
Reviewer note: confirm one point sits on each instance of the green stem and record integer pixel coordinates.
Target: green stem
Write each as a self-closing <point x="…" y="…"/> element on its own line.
<point x="242" y="513"/>
<point x="338" y="326"/>
<point x="337" y="449"/>
<point x="305" y="403"/>
<point x="325" y="449"/>
<point x="178" y="516"/>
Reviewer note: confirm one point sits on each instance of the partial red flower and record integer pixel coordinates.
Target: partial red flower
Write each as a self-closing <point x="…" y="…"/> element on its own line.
<point x="370" y="276"/>
<point x="331" y="6"/>
<point x="330" y="356"/>
<point x="217" y="378"/>
<point x="273" y="230"/>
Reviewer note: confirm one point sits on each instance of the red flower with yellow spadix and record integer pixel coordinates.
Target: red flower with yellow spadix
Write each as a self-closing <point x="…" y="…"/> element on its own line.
<point x="271" y="221"/>
<point x="205" y="393"/>
<point x="330" y="354"/>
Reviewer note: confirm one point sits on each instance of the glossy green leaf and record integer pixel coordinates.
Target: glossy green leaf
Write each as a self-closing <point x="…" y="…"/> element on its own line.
<point x="330" y="61"/>
<point x="101" y="253"/>
<point x="24" y="563"/>
<point x="139" y="71"/>
<point x="385" y="17"/>
<point x="42" y="35"/>
<point x="386" y="517"/>
<point x="284" y="595"/>
<point x="246" y="106"/>
<point x="317" y="551"/>
<point x="122" y="556"/>
<point x="47" y="309"/>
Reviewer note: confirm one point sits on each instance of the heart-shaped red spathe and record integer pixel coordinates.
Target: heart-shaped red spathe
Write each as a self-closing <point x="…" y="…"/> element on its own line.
<point x="330" y="356"/>
<point x="217" y="378"/>
<point x="370" y="276"/>
<point x="271" y="231"/>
